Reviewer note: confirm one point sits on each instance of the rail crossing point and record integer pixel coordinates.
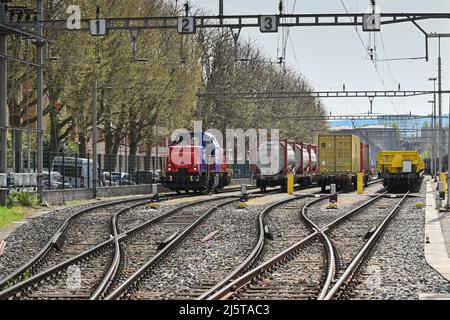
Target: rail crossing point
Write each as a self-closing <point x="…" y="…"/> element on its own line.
<point x="98" y="27"/>
<point x="186" y="25"/>
<point x="360" y="183"/>
<point x="268" y="24"/>
<point x="372" y="22"/>
<point x="290" y="183"/>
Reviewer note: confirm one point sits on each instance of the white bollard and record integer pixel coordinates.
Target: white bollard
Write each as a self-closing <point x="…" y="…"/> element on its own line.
<point x="25" y="179"/>
<point x="33" y="180"/>
<point x="438" y="201"/>
<point x="333" y="188"/>
<point x="154" y="189"/>
<point x="17" y="179"/>
<point x="3" y="180"/>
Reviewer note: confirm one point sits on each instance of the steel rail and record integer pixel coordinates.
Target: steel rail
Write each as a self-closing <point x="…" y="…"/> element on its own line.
<point x="19" y="274"/>
<point x="118" y="238"/>
<point x="287" y="254"/>
<point x="95" y="250"/>
<point x="329" y="247"/>
<point x="346" y="277"/>
<point x="253" y="256"/>
<point x="256" y="251"/>
<point x="132" y="281"/>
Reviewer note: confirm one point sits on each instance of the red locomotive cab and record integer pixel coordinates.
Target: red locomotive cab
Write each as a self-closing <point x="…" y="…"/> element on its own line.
<point x="193" y="166"/>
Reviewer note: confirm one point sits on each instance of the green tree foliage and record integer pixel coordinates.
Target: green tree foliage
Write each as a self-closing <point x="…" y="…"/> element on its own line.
<point x="135" y="98"/>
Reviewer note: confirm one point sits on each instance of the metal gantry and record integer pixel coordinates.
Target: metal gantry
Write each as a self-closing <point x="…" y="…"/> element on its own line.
<point x="380" y="117"/>
<point x="34" y="30"/>
<point x="316" y="94"/>
<point x="244" y="21"/>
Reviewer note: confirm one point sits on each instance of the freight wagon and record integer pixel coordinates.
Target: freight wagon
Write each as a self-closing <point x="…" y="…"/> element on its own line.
<point x="297" y="158"/>
<point x="400" y="169"/>
<point x="341" y="158"/>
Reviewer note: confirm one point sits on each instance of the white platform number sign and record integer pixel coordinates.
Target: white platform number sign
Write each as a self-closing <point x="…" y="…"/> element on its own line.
<point x="98" y="27"/>
<point x="186" y="25"/>
<point x="372" y="22"/>
<point x="268" y="24"/>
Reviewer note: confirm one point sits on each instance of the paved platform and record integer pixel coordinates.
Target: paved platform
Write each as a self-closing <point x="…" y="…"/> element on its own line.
<point x="437" y="242"/>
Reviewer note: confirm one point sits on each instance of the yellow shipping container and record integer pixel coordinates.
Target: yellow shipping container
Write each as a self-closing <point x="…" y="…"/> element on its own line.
<point x="339" y="153"/>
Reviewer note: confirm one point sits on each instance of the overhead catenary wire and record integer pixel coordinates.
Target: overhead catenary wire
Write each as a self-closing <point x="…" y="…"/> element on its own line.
<point x="368" y="52"/>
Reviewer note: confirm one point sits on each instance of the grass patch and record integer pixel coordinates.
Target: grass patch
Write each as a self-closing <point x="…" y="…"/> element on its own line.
<point x="10" y="215"/>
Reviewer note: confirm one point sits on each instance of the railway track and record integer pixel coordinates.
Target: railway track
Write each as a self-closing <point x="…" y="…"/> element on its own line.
<point x="343" y="286"/>
<point x="284" y="227"/>
<point x="85" y="229"/>
<point x="141" y="285"/>
<point x="284" y="275"/>
<point x="93" y="261"/>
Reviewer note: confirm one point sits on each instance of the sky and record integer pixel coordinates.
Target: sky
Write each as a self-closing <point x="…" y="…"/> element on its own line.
<point x="332" y="56"/>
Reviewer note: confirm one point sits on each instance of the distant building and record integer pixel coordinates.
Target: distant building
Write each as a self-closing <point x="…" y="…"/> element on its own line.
<point x="427" y="140"/>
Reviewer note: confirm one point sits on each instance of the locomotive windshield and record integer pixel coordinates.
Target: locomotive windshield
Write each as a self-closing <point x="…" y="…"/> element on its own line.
<point x="208" y="139"/>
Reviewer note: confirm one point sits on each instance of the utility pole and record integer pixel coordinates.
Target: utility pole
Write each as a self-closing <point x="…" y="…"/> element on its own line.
<point x="371" y="104"/>
<point x="447" y="206"/>
<point x="436" y="147"/>
<point x="440" y="131"/>
<point x="94" y="137"/>
<point x="40" y="101"/>
<point x="221" y="8"/>
<point x="433" y="138"/>
<point x="3" y="102"/>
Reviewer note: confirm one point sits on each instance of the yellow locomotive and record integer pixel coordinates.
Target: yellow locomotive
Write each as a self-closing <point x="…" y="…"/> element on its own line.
<point x="400" y="169"/>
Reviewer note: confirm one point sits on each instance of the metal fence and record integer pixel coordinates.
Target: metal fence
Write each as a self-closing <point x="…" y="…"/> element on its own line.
<point x="68" y="171"/>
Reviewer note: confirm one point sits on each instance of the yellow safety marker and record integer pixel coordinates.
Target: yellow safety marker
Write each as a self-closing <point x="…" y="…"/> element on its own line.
<point x="332" y="205"/>
<point x="443" y="179"/>
<point x="241" y="205"/>
<point x="360" y="183"/>
<point x="153" y="205"/>
<point x="420" y="205"/>
<point x="290" y="183"/>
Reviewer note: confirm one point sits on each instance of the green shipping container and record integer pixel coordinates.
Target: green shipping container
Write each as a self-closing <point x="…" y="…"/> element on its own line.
<point x="339" y="153"/>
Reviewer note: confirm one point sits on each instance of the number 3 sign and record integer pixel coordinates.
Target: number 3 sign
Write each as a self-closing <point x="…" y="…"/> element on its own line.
<point x="268" y="24"/>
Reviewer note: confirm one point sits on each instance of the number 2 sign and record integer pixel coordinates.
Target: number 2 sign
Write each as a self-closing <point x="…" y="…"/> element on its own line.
<point x="186" y="25"/>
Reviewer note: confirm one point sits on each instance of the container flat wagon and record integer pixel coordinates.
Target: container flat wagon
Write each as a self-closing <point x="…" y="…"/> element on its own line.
<point x="341" y="158"/>
<point x="400" y="169"/>
<point x="297" y="158"/>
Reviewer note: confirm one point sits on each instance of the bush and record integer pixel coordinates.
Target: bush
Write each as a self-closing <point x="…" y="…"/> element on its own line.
<point x="22" y="199"/>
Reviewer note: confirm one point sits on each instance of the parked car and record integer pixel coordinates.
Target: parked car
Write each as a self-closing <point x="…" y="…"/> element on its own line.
<point x="122" y="178"/>
<point x="158" y="176"/>
<point x="78" y="171"/>
<point x="144" y="177"/>
<point x="56" y="182"/>
<point x="108" y="181"/>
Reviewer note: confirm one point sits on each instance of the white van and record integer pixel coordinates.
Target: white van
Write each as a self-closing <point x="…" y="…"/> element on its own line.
<point x="75" y="171"/>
